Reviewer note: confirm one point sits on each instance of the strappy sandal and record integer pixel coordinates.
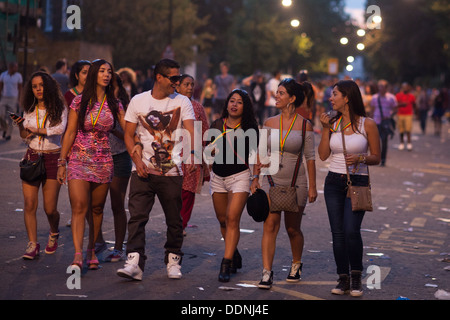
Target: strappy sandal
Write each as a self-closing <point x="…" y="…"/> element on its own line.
<point x="78" y="264"/>
<point x="92" y="264"/>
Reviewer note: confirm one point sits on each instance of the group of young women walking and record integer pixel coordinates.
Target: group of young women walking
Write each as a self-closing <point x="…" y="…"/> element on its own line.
<point x="76" y="143"/>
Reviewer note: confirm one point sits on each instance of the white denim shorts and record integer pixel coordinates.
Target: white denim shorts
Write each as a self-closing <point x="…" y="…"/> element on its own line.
<point x="239" y="182"/>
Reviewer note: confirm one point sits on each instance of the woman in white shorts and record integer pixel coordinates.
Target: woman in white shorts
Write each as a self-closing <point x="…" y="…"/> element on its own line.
<point x="230" y="174"/>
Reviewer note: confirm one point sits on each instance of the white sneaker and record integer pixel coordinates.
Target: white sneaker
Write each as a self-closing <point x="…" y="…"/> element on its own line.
<point x="131" y="269"/>
<point x="401" y="146"/>
<point x="173" y="266"/>
<point x="409" y="146"/>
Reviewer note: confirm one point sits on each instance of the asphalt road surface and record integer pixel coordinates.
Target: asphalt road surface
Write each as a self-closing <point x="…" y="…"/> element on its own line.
<point x="406" y="243"/>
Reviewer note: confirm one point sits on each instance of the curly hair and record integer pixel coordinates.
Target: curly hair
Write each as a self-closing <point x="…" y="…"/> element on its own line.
<point x="90" y="93"/>
<point x="53" y="100"/>
<point x="248" y="115"/>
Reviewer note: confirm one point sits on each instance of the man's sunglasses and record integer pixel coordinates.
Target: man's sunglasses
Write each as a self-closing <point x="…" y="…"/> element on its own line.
<point x="173" y="79"/>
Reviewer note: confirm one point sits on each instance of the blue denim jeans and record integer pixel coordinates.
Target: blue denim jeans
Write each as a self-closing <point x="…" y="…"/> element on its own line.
<point x="345" y="224"/>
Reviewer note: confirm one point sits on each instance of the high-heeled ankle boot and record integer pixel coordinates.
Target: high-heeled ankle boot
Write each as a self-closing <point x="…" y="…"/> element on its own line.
<point x="224" y="275"/>
<point x="236" y="263"/>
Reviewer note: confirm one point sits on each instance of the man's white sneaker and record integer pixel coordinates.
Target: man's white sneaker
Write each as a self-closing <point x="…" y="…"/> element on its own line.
<point x="131" y="269"/>
<point x="401" y="146"/>
<point x="173" y="266"/>
<point x="409" y="146"/>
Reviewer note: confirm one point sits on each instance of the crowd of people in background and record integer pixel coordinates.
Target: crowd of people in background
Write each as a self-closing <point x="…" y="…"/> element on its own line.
<point x="79" y="118"/>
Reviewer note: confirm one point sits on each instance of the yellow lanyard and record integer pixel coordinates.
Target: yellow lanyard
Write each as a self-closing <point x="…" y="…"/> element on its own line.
<point x="94" y="122"/>
<point x="225" y="131"/>
<point x="283" y="140"/>
<point x="40" y="126"/>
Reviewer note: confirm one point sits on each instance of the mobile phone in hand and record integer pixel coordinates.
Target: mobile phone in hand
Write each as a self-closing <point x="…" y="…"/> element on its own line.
<point x="17" y="119"/>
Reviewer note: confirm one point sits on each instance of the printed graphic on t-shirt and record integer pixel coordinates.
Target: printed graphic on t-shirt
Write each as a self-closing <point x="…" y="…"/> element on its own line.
<point x="160" y="126"/>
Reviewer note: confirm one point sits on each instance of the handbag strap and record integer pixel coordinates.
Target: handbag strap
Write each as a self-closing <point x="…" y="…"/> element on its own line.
<point x="299" y="159"/>
<point x="349" y="181"/>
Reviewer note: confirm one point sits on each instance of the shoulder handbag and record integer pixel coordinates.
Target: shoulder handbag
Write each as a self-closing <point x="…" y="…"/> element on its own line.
<point x="284" y="198"/>
<point x="31" y="171"/>
<point x="361" y="196"/>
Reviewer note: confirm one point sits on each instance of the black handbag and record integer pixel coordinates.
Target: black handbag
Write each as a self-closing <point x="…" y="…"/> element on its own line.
<point x="31" y="171"/>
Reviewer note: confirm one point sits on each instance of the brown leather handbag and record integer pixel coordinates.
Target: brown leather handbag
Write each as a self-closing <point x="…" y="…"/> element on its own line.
<point x="361" y="196"/>
<point x="284" y="198"/>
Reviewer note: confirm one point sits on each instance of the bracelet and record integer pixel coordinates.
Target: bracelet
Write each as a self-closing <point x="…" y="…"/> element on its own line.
<point x="62" y="162"/>
<point x="139" y="144"/>
<point x="255" y="176"/>
<point x="362" y="159"/>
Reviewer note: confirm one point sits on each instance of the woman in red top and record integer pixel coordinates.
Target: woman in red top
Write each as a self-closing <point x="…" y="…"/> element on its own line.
<point x="192" y="181"/>
<point x="78" y="75"/>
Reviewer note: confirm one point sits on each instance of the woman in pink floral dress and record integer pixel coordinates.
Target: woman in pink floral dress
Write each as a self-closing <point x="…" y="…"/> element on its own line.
<point x="192" y="181"/>
<point x="87" y="153"/>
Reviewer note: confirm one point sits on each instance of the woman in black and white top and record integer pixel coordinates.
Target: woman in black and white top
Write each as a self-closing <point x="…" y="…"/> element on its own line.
<point x="230" y="174"/>
<point x="362" y="142"/>
<point x="45" y="120"/>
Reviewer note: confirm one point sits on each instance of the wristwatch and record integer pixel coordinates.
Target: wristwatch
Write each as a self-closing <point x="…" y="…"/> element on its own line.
<point x="255" y="176"/>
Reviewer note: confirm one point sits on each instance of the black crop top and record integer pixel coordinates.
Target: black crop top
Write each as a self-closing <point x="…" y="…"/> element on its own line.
<point x="232" y="148"/>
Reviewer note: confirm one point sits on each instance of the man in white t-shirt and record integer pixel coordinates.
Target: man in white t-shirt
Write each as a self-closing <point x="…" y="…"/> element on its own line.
<point x="158" y="119"/>
<point x="271" y="92"/>
<point x="10" y="89"/>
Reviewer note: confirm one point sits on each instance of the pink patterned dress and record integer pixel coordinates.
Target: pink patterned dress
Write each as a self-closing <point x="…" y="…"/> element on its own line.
<point x="90" y="158"/>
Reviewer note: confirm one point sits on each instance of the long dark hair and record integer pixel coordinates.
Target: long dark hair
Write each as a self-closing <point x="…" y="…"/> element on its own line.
<point x="122" y="93"/>
<point x="293" y="88"/>
<point x="75" y="71"/>
<point x="350" y="89"/>
<point x="89" y="95"/>
<point x="248" y="115"/>
<point x="53" y="99"/>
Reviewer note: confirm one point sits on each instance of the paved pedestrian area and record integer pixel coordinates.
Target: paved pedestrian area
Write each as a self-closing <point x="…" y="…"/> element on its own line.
<point x="406" y="242"/>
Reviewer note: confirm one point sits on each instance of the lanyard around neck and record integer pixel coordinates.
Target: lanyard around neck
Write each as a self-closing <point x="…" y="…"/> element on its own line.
<point x="94" y="122"/>
<point x="225" y="131"/>
<point x="336" y="127"/>
<point x="283" y="140"/>
<point x="43" y="122"/>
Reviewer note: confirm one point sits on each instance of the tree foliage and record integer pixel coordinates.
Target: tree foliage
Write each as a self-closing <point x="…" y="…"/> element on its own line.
<point x="138" y="30"/>
<point x="412" y="43"/>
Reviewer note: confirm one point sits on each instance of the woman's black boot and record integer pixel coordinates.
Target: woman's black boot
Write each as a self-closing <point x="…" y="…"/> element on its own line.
<point x="236" y="263"/>
<point x="224" y="275"/>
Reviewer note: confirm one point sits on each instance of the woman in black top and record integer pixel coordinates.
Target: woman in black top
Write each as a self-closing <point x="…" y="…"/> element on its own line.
<point x="235" y="138"/>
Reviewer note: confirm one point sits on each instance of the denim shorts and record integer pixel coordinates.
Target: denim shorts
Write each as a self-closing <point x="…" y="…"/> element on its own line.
<point x="238" y="182"/>
<point x="122" y="165"/>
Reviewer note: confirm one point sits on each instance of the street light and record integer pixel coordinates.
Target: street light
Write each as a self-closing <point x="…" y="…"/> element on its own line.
<point x="360" y="47"/>
<point x="350" y="59"/>
<point x="377" y="19"/>
<point x="286" y="3"/>
<point x="361" y="32"/>
<point x="344" y="41"/>
<point x="349" y="68"/>
<point x="295" y="23"/>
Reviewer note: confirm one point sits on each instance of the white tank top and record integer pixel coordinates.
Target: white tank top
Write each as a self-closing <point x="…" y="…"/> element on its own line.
<point x="354" y="143"/>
